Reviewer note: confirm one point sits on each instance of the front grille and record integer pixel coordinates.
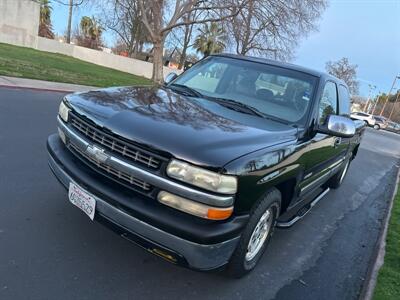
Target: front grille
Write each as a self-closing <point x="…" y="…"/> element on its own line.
<point x="114" y="144"/>
<point x="116" y="173"/>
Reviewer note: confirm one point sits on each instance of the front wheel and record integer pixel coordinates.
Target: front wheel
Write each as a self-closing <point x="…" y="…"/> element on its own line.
<point x="377" y="127"/>
<point x="256" y="235"/>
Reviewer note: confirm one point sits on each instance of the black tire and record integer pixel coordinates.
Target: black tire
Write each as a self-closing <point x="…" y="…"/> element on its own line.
<point x="377" y="127"/>
<point x="336" y="180"/>
<point x="238" y="265"/>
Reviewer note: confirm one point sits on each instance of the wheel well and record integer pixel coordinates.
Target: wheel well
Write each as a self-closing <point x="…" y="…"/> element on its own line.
<point x="355" y="150"/>
<point x="286" y="189"/>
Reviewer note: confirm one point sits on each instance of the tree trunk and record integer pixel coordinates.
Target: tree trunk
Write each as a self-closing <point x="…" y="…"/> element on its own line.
<point x="182" y="59"/>
<point x="158" y="61"/>
<point x="135" y="33"/>
<point x="186" y="41"/>
<point x="136" y="51"/>
<point x="71" y="3"/>
<point x="248" y="28"/>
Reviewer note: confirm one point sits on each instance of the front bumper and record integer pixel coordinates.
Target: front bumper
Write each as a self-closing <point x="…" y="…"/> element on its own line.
<point x="165" y="243"/>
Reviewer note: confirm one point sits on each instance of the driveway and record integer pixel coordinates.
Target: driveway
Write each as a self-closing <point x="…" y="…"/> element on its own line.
<point x="50" y="250"/>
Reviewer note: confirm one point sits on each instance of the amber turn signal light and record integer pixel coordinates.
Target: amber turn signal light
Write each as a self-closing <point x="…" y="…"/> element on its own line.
<point x="195" y="208"/>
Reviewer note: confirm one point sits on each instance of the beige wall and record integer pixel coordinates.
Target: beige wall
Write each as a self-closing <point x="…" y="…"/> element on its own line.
<point x="48" y="45"/>
<point x="19" y="22"/>
<point x="125" y="64"/>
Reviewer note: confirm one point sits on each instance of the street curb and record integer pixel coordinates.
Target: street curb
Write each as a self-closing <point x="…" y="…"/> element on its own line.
<point x="16" y="87"/>
<point x="368" y="288"/>
<point x="42" y="85"/>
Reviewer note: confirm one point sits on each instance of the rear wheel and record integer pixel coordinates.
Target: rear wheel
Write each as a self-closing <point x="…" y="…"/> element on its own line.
<point x="256" y="235"/>
<point x="377" y="127"/>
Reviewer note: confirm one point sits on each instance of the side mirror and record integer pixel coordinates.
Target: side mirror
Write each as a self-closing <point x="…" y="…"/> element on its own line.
<point x="339" y="126"/>
<point x="170" y="77"/>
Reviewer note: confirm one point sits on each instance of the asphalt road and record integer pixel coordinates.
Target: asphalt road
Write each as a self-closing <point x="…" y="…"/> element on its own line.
<point x="50" y="250"/>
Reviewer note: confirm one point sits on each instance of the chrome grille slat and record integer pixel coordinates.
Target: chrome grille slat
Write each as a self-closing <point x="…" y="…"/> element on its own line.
<point x="117" y="173"/>
<point x="113" y="144"/>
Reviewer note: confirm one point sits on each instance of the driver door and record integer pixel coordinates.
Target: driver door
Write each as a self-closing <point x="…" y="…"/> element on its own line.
<point x="322" y="152"/>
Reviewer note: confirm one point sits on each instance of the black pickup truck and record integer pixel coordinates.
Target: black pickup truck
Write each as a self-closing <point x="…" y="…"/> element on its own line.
<point x="201" y="170"/>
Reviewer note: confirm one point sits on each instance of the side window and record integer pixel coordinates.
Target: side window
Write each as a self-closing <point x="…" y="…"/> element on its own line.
<point x="344" y="101"/>
<point x="328" y="102"/>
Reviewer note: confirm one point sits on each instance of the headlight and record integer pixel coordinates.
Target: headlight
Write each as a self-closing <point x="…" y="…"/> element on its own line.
<point x="63" y="111"/>
<point x="194" y="208"/>
<point x="208" y="180"/>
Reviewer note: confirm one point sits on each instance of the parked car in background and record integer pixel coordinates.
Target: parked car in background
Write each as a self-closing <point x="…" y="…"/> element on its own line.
<point x="393" y="127"/>
<point x="199" y="171"/>
<point x="380" y="122"/>
<point x="367" y="118"/>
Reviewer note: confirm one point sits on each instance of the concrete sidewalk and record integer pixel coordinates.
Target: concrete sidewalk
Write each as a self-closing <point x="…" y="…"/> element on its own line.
<point x="15" y="82"/>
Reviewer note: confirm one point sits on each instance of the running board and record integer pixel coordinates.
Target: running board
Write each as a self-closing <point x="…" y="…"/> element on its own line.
<point x="298" y="217"/>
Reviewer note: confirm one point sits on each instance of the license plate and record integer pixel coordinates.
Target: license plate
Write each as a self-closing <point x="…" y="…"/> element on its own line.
<point x="82" y="199"/>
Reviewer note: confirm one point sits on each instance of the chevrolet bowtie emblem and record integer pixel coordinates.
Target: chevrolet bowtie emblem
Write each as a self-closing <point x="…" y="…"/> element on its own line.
<point x="96" y="153"/>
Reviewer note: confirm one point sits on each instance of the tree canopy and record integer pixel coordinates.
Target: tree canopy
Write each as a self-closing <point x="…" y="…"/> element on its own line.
<point x="269" y="28"/>
<point x="212" y="39"/>
<point x="89" y="34"/>
<point x="272" y="28"/>
<point x="342" y="69"/>
<point x="45" y="26"/>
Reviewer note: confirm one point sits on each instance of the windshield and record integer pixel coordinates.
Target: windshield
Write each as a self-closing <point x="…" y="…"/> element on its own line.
<point x="273" y="91"/>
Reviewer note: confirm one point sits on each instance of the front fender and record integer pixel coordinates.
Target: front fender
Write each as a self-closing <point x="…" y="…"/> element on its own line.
<point x="262" y="169"/>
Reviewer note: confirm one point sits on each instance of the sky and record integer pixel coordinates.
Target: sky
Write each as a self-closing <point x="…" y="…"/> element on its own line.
<point x="367" y="32"/>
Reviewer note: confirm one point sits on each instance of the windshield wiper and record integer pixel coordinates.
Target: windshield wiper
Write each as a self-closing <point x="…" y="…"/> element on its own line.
<point x="186" y="89"/>
<point x="247" y="109"/>
<point x="242" y="106"/>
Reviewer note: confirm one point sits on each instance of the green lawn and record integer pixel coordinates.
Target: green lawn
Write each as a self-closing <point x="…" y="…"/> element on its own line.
<point x="29" y="63"/>
<point x="388" y="285"/>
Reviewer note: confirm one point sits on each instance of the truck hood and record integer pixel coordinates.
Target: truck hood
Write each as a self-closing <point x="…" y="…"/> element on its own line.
<point x="193" y="129"/>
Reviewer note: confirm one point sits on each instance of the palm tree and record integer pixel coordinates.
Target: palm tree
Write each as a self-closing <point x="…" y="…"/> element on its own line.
<point x="86" y="25"/>
<point x="45" y="27"/>
<point x="210" y="40"/>
<point x="90" y="33"/>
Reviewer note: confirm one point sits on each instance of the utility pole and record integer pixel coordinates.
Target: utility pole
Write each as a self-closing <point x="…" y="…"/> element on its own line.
<point x="378" y="97"/>
<point x="394" y="104"/>
<point x="371" y="87"/>
<point x="366" y="106"/>
<point x="387" y="98"/>
<point x="71" y="4"/>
